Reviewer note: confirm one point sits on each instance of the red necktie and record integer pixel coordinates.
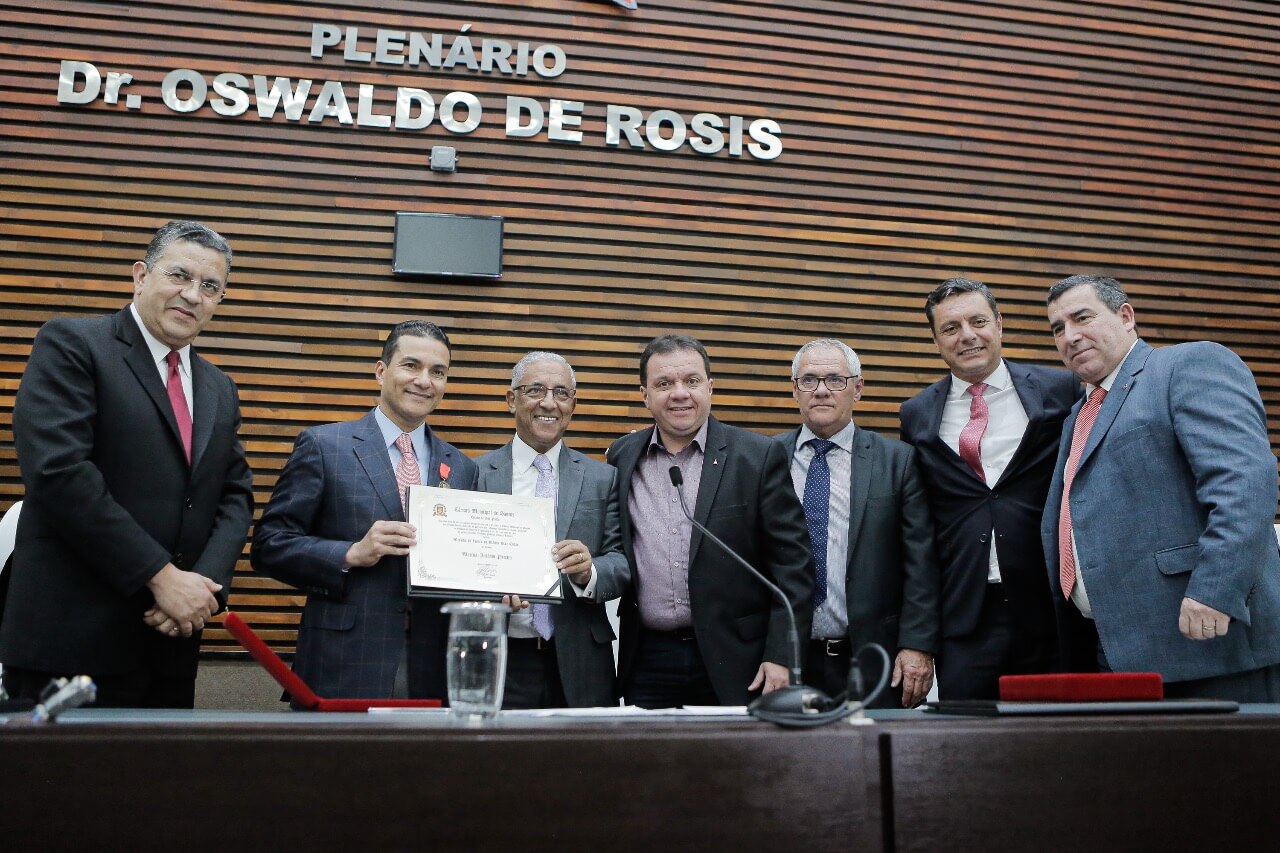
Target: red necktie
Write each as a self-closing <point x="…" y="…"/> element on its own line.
<point x="971" y="435"/>
<point x="407" y="472"/>
<point x="178" y="399"/>
<point x="1079" y="437"/>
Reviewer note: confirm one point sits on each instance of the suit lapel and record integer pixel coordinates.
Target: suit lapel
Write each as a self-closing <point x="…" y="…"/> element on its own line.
<point x="859" y="484"/>
<point x="376" y="461"/>
<point x="443" y="458"/>
<point x="713" y="463"/>
<point x="206" y="406"/>
<point x="937" y="405"/>
<point x="138" y="358"/>
<point x="496" y="474"/>
<point x="569" y="489"/>
<point x="1115" y="398"/>
<point x="789" y="442"/>
<point x="626" y="461"/>
<point x="1032" y="398"/>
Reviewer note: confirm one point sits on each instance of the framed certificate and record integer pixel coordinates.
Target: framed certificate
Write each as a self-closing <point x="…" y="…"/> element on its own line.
<point x="482" y="545"/>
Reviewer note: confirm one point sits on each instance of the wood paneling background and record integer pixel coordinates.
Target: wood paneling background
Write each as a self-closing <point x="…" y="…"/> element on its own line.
<point x="1012" y="142"/>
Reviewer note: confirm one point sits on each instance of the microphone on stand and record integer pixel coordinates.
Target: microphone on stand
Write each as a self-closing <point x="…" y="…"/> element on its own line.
<point x="63" y="694"/>
<point x="796" y="700"/>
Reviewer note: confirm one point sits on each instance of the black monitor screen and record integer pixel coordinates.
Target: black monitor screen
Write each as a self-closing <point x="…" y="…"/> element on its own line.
<point x="443" y="244"/>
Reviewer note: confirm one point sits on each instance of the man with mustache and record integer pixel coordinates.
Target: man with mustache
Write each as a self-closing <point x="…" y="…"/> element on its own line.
<point x="558" y="655"/>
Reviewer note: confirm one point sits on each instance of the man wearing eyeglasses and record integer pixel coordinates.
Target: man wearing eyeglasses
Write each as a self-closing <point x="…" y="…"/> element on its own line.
<point x="869" y="526"/>
<point x="987" y="437"/>
<point x="697" y="629"/>
<point x="558" y="655"/>
<point x="336" y="528"/>
<point x="137" y="495"/>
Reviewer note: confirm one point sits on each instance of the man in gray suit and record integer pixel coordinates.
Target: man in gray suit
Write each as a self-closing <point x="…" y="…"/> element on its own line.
<point x="559" y="655"/>
<point x="869" y="524"/>
<point x="1158" y="526"/>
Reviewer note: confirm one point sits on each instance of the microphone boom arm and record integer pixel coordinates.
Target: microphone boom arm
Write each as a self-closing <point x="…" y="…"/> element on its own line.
<point x="677" y="480"/>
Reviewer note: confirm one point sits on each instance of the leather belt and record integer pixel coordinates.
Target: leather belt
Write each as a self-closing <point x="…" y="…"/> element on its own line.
<point x="840" y="647"/>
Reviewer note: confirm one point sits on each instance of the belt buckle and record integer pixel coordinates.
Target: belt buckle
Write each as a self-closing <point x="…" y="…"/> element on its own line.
<point x="833" y="647"/>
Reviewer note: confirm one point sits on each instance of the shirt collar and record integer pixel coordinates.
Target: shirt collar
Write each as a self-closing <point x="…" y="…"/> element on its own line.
<point x="699" y="440"/>
<point x="158" y="349"/>
<point x="843" y="439"/>
<point x="1111" y="377"/>
<point x="997" y="381"/>
<point x="390" y="432"/>
<point x="522" y="455"/>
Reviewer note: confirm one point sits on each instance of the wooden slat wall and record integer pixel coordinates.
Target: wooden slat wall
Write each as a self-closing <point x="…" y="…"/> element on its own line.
<point x="1010" y="141"/>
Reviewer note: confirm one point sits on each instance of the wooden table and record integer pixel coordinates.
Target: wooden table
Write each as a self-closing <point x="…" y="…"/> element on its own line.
<point x="303" y="782"/>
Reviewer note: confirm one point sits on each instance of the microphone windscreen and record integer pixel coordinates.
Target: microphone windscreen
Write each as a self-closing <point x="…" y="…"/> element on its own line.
<point x="677" y="479"/>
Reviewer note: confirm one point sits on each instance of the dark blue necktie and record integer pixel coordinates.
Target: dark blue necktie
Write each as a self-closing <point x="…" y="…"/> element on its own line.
<point x="817" y="510"/>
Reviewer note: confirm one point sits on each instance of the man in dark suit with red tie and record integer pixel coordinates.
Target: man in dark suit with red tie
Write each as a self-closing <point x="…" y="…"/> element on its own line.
<point x="137" y="496"/>
<point x="987" y="437"/>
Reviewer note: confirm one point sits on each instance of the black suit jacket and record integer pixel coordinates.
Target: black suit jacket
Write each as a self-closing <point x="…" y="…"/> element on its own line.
<point x="966" y="511"/>
<point x="356" y="623"/>
<point x="110" y="499"/>
<point x="891" y="576"/>
<point x="745" y="497"/>
<point x="586" y="510"/>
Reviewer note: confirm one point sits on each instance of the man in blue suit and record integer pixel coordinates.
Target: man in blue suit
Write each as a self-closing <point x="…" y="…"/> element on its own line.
<point x="1158" y="525"/>
<point x="561" y="655"/>
<point x="335" y="527"/>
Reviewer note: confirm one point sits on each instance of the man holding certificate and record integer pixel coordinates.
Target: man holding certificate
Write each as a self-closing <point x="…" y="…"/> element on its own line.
<point x="335" y="527"/>
<point x="559" y="655"/>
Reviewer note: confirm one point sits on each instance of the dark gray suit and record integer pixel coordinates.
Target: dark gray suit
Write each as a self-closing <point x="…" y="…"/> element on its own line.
<point x="356" y="623"/>
<point x="586" y="510"/>
<point x="891" y="586"/>
<point x="110" y="499"/>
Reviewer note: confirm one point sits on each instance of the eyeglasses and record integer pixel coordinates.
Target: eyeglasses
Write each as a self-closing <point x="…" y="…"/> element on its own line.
<point x="211" y="290"/>
<point x="834" y="382"/>
<point x="539" y="392"/>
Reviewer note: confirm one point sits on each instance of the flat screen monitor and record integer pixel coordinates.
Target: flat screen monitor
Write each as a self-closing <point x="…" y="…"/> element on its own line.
<point x="445" y="244"/>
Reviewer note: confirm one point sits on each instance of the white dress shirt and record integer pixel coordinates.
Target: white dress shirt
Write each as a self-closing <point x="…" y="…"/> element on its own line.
<point x="1006" y="423"/>
<point x="160" y="352"/>
<point x="524" y="482"/>
<point x="831" y="618"/>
